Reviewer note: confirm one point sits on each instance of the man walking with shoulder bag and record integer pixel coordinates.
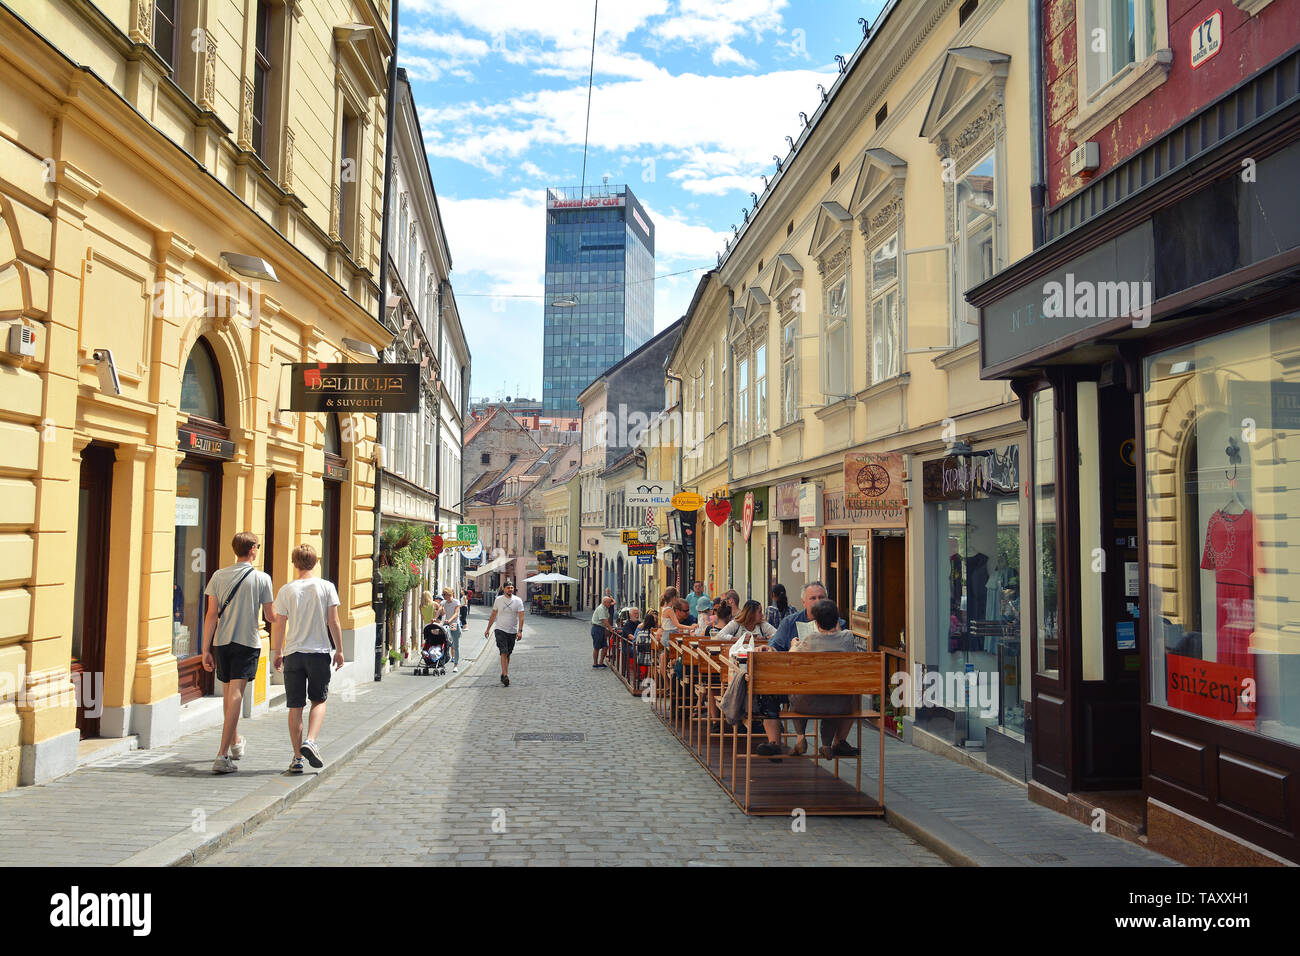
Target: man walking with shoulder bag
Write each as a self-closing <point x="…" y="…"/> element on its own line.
<point x="307" y="628"/>
<point x="231" y="640"/>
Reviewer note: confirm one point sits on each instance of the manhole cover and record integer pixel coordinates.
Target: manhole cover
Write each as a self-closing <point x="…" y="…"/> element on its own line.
<point x="565" y="737"/>
<point x="541" y="647"/>
<point x="1045" y="857"/>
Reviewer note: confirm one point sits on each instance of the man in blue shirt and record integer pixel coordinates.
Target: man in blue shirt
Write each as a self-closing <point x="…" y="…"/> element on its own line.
<point x="700" y="600"/>
<point x="790" y="628"/>
<point x="796" y="626"/>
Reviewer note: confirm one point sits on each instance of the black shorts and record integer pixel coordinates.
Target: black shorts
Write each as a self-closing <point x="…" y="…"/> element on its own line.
<point x="598" y="639"/>
<point x="506" y="642"/>
<point x="236" y="661"/>
<point x="306" y="675"/>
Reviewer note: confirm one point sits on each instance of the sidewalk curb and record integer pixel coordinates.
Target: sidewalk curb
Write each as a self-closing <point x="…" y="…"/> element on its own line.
<point x="245" y="815"/>
<point x="949" y="841"/>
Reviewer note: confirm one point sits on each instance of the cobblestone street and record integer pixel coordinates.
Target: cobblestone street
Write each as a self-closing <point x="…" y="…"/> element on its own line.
<point x="450" y="784"/>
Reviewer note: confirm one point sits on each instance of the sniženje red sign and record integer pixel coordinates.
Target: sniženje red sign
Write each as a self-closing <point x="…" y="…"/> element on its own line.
<point x="1209" y="689"/>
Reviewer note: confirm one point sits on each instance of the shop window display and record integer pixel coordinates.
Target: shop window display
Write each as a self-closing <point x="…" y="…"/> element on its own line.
<point x="1222" y="422"/>
<point x="974" y="536"/>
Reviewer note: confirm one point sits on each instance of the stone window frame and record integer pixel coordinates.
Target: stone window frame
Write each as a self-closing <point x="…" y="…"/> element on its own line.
<point x="963" y="133"/>
<point x="878" y="206"/>
<point x="832" y="250"/>
<point x="787" y="295"/>
<point x="1148" y="70"/>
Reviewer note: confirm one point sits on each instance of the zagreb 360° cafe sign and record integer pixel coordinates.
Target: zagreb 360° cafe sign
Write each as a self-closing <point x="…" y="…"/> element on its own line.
<point x="325" y="387"/>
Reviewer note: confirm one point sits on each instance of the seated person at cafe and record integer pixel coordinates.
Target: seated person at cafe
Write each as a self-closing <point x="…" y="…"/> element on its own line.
<point x="632" y="620"/>
<point x="829" y="636"/>
<point x="705" y="622"/>
<point x="721" y="618"/>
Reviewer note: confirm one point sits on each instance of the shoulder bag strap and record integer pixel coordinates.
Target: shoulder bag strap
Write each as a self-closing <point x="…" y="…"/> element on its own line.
<point x="229" y="597"/>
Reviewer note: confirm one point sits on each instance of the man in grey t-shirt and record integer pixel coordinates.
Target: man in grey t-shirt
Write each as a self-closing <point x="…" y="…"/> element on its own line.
<point x="232" y="643"/>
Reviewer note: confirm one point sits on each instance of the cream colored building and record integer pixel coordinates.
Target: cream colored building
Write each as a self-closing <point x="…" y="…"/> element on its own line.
<point x="145" y="148"/>
<point x="835" y="326"/>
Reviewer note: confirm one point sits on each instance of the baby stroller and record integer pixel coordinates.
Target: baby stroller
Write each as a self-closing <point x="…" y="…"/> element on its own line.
<point x="434" y="652"/>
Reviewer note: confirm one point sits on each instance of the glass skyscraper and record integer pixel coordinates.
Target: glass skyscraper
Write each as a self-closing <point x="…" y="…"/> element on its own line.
<point x="600" y="291"/>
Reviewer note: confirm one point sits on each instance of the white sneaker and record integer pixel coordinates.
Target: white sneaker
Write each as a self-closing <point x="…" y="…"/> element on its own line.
<point x="237" y="749"/>
<point x="223" y="765"/>
<point x="455" y="668"/>
<point x="312" y="753"/>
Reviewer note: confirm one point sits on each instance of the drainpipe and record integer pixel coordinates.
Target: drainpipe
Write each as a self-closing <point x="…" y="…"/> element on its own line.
<point x="1037" y="163"/>
<point x="390" y="124"/>
<point x="688" y="567"/>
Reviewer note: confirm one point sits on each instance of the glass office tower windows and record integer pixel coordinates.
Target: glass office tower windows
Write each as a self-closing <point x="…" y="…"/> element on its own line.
<point x="599" y="289"/>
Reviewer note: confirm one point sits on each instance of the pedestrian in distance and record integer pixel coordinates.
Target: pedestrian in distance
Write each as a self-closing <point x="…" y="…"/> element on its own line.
<point x="601" y="629"/>
<point x="700" y="601"/>
<point x="451" y="620"/>
<point x="306" y="631"/>
<point x="467" y="596"/>
<point x="510" y="609"/>
<point x="232" y="641"/>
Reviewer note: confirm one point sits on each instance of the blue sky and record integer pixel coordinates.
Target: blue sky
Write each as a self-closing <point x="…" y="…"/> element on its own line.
<point x="692" y="99"/>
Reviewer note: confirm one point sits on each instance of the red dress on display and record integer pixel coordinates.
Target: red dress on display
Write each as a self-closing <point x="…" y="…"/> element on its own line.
<point x="1230" y="554"/>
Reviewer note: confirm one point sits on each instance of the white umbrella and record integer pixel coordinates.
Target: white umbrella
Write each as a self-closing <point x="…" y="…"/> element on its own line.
<point x="538" y="579"/>
<point x="558" y="578"/>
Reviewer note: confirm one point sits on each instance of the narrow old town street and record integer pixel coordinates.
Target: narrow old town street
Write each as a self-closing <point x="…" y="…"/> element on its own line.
<point x="454" y="783"/>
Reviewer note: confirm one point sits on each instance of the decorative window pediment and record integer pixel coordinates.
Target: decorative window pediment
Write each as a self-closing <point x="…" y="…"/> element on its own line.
<point x="737" y="328"/>
<point x="756" y="303"/>
<point x="786" y="272"/>
<point x="358" y="46"/>
<point x="830" y="242"/>
<point x="966" y="109"/>
<point x="878" y="193"/>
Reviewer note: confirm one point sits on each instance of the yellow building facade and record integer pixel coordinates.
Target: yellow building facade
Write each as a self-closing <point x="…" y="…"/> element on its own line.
<point x="191" y="199"/>
<point x="833" y="340"/>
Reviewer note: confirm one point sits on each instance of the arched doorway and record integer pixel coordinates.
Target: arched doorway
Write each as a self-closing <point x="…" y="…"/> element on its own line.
<point x="205" y="440"/>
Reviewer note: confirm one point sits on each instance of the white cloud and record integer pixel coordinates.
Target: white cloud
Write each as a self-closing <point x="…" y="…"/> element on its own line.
<point x="674" y="115"/>
<point x="726" y="53"/>
<point x="564" y="23"/>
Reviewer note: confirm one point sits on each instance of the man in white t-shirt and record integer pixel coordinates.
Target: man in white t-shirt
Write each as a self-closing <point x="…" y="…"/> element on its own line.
<point x="232" y="641"/>
<point x="306" y="633"/>
<point x="510" y="609"/>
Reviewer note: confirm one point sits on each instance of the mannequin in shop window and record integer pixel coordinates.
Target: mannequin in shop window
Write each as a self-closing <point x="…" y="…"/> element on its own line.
<point x="1230" y="554"/>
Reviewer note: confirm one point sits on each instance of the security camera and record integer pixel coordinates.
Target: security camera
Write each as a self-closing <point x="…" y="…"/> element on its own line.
<point x="108" y="380"/>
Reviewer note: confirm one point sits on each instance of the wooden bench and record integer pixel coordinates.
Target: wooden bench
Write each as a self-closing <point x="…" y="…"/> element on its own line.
<point x="801" y="782"/>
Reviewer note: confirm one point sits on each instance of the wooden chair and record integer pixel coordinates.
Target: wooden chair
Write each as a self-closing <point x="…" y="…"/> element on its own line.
<point x="790" y="786"/>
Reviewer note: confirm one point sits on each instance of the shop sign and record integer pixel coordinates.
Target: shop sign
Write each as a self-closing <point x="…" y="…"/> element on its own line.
<point x="457" y="544"/>
<point x="786" y="496"/>
<point x="1020" y="326"/>
<point x="810" y="505"/>
<point x="982" y="474"/>
<point x="687" y="501"/>
<point x="467" y="532"/>
<point x="873" y="490"/>
<point x="337" y="472"/>
<point x="626" y="535"/>
<point x="582" y="561"/>
<point x="648" y="535"/>
<point x="747" y="515"/>
<point x="643" y="493"/>
<point x="638" y="549"/>
<point x="193" y="443"/>
<point x="354" y="387"/>
<point x="645" y="559"/>
<point x="1217" y="691"/>
<point x="718" y="510"/>
<point x="187" y="512"/>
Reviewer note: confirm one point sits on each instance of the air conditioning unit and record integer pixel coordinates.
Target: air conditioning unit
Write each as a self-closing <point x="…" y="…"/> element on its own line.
<point x="22" y="340"/>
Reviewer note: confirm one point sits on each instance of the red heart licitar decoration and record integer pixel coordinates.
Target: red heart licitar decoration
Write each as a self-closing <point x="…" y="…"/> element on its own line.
<point x="718" y="510"/>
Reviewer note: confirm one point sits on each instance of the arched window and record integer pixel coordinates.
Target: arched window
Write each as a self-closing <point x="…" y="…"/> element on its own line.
<point x="201" y="385"/>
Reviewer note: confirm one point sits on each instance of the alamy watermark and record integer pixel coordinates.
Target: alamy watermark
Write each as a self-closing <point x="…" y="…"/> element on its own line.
<point x="1085" y="299"/>
<point x="955" y="689"/>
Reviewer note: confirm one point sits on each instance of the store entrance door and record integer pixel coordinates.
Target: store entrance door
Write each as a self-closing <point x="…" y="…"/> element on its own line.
<point x="889" y="605"/>
<point x="90" y="596"/>
<point x="1109" y="708"/>
<point x="837" y="572"/>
